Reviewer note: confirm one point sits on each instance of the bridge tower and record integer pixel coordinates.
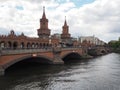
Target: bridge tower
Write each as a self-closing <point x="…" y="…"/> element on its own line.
<point x="43" y="31"/>
<point x="65" y="36"/>
<point x="65" y="32"/>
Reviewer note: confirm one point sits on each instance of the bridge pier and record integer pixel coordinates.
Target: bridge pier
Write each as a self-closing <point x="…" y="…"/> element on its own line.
<point x="57" y="59"/>
<point x="2" y="71"/>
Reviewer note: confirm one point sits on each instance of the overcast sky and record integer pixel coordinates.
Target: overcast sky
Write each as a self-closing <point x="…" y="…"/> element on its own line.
<point x="84" y="17"/>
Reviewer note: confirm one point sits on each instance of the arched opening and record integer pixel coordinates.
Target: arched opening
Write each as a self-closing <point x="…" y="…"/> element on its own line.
<point x="2" y="44"/>
<point x="22" y="45"/>
<point x="43" y="45"/>
<point x="33" y="45"/>
<point x="28" y="45"/>
<point x="71" y="57"/>
<point x="15" y="45"/>
<point x="103" y="52"/>
<point x="47" y="45"/>
<point x="36" y="45"/>
<point x="9" y="45"/>
<point x="27" y="63"/>
<point x="40" y="46"/>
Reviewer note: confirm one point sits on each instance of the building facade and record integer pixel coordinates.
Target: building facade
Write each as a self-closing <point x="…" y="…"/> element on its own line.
<point x="91" y="40"/>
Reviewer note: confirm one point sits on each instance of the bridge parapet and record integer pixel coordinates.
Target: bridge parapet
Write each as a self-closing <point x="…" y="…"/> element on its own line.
<point x="23" y="51"/>
<point x="72" y="48"/>
<point x="57" y="50"/>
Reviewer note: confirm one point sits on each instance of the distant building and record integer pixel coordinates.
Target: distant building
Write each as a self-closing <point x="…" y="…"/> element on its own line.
<point x="56" y="35"/>
<point x="91" y="39"/>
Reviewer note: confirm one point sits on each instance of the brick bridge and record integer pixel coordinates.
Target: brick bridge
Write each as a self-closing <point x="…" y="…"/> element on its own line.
<point x="98" y="50"/>
<point x="51" y="56"/>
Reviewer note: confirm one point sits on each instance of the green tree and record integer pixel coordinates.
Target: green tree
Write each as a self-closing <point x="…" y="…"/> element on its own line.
<point x="114" y="44"/>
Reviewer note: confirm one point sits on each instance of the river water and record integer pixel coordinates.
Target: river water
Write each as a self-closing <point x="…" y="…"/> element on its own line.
<point x="100" y="73"/>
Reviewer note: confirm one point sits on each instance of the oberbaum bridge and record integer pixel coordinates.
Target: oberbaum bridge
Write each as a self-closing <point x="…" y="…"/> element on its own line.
<point x="46" y="48"/>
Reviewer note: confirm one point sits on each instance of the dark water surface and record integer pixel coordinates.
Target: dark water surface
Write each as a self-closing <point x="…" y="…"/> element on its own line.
<point x="101" y="73"/>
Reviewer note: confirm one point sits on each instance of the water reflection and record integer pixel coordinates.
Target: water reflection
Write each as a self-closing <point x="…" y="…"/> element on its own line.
<point x="101" y="73"/>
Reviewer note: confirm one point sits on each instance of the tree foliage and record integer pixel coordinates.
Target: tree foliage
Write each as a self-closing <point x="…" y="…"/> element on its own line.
<point x="114" y="44"/>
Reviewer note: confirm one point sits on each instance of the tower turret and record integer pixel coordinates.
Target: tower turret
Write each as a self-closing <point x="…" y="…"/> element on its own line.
<point x="43" y="31"/>
<point x="65" y="32"/>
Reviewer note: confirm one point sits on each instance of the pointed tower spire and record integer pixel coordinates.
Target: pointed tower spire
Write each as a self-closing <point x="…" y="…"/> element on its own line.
<point x="65" y="23"/>
<point x="44" y="16"/>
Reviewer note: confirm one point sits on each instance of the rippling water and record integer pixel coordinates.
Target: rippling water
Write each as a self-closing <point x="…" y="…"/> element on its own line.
<point x="101" y="73"/>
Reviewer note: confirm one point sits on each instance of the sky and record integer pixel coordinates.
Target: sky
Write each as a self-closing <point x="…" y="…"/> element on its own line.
<point x="100" y="18"/>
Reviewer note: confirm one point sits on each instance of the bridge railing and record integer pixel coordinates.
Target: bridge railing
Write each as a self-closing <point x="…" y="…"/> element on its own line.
<point x="71" y="48"/>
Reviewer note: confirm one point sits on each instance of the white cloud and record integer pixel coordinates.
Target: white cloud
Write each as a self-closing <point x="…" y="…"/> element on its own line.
<point x="100" y="18"/>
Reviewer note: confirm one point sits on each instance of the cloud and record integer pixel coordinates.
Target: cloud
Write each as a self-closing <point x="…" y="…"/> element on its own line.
<point x="100" y="18"/>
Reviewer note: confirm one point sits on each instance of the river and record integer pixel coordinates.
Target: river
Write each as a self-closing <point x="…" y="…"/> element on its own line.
<point x="100" y="73"/>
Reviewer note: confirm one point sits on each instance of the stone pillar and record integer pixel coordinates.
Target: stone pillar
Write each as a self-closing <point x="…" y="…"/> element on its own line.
<point x="0" y="51"/>
<point x="57" y="59"/>
<point x="2" y="71"/>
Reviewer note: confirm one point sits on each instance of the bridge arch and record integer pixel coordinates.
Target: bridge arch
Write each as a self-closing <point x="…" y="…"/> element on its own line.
<point x="37" y="59"/>
<point x="103" y="51"/>
<point x="71" y="56"/>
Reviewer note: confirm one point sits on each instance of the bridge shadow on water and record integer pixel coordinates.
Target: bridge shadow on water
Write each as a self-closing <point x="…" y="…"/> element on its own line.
<point x="28" y="66"/>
